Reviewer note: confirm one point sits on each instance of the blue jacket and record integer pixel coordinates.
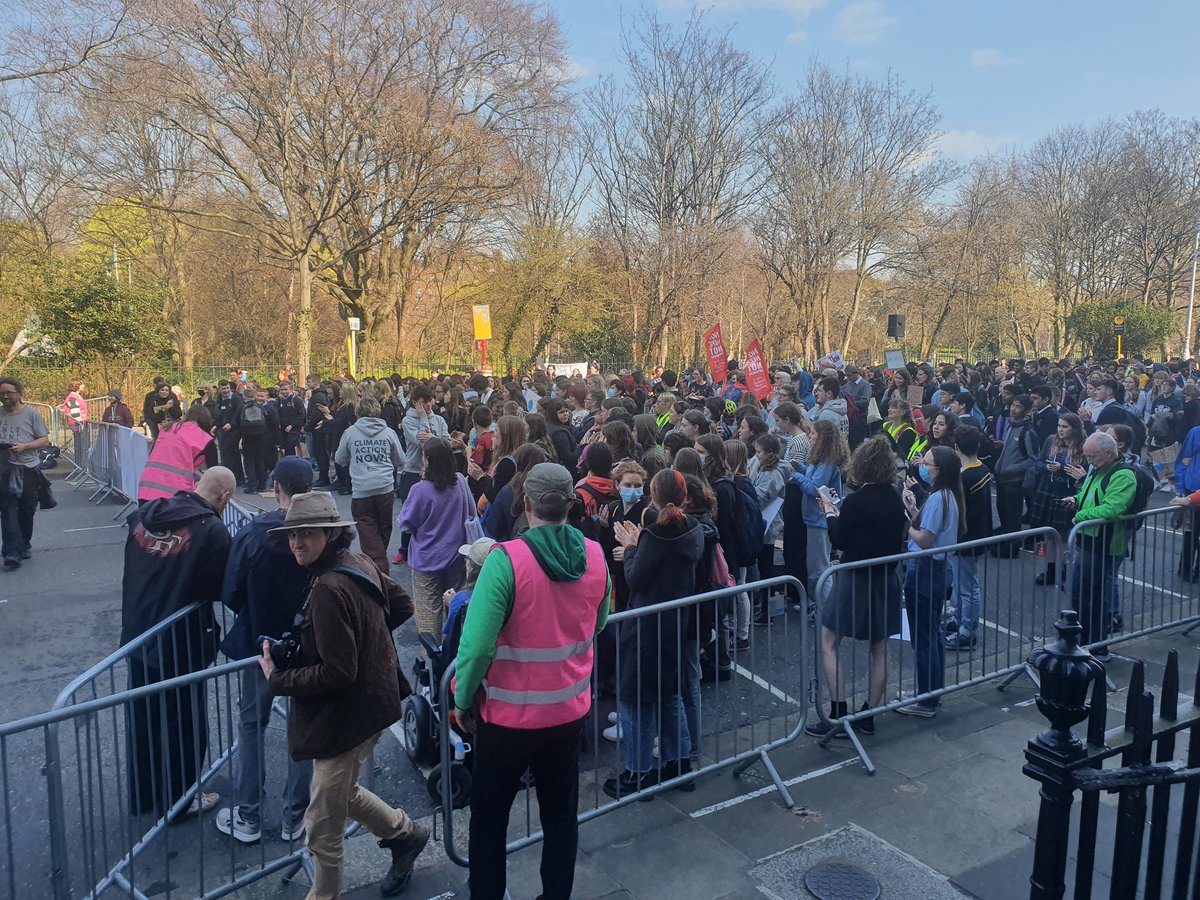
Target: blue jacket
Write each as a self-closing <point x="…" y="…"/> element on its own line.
<point x="1187" y="477"/>
<point x="809" y="481"/>
<point x="264" y="586"/>
<point x="804" y="388"/>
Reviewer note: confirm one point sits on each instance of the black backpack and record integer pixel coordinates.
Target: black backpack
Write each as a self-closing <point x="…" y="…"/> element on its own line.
<point x="253" y="422"/>
<point x="749" y="531"/>
<point x="578" y="516"/>
<point x="1145" y="482"/>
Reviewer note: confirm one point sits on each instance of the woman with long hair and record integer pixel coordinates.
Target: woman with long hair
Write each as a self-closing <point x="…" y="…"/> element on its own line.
<point x="1058" y="473"/>
<point x="536" y="423"/>
<point x="901" y="427"/>
<point x="619" y="439"/>
<point x="941" y="432"/>
<point x="936" y="523"/>
<point x="826" y="459"/>
<point x="645" y="431"/>
<point x="897" y="388"/>
<point x="562" y="435"/>
<point x="504" y="519"/>
<point x="865" y="603"/>
<point x="343" y="398"/>
<point x="660" y="564"/>
<point x="769" y="481"/>
<point x="435" y="514"/>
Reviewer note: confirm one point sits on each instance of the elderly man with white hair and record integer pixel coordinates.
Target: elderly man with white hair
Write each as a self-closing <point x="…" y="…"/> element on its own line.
<point x="1107" y="494"/>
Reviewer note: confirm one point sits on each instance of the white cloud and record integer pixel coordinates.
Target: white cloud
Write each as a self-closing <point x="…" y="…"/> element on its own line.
<point x="797" y="37"/>
<point x="797" y="9"/>
<point x="863" y="22"/>
<point x="966" y="145"/>
<point x="991" y="59"/>
<point x="580" y="68"/>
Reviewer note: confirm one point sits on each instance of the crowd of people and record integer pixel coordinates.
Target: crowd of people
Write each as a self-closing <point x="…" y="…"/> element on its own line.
<point x="529" y="509"/>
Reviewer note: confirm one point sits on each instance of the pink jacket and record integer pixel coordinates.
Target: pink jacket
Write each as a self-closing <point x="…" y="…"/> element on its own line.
<point x="175" y="463"/>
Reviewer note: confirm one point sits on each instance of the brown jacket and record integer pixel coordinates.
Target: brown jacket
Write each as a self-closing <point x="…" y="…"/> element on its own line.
<point x="347" y="685"/>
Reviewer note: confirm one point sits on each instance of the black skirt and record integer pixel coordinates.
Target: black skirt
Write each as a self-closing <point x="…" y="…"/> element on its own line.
<point x="1045" y="510"/>
<point x="865" y="603"/>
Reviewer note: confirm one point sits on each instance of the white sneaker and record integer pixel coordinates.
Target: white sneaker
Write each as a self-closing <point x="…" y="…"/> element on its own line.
<point x="613" y="733"/>
<point x="614" y="718"/>
<point x="230" y="822"/>
<point x="654" y="749"/>
<point x="293" y="834"/>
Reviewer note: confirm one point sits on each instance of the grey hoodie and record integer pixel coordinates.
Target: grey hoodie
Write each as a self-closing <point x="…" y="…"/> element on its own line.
<point x="372" y="451"/>
<point x="413" y="424"/>
<point x="834" y="411"/>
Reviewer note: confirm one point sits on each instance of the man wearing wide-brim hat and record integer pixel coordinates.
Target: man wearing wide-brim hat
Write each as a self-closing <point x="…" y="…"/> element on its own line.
<point x="346" y="688"/>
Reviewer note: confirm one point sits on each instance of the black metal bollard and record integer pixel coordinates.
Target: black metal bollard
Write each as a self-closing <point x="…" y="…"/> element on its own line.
<point x="1066" y="672"/>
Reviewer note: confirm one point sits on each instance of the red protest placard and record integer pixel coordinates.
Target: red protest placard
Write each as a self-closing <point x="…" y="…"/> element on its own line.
<point x="718" y="357"/>
<point x="756" y="370"/>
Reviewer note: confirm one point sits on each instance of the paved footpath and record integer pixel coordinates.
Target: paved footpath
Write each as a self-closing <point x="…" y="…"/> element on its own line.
<point x="948" y="814"/>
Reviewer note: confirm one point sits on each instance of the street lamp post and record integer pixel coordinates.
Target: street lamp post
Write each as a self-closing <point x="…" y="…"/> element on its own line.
<point x="1187" y="341"/>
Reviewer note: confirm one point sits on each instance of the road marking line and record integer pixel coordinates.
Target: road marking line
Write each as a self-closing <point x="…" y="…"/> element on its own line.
<point x="1154" y="587"/>
<point x="763" y="683"/>
<point x="1003" y="630"/>
<point x="398" y="734"/>
<point x="807" y="776"/>
<point x="92" y="528"/>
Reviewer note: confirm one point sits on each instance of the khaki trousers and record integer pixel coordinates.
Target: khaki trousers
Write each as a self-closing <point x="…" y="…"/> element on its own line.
<point x="336" y="798"/>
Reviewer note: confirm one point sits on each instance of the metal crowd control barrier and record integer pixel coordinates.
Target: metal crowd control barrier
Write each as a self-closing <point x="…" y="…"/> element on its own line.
<point x="733" y="709"/>
<point x="1151" y="586"/>
<point x="881" y="632"/>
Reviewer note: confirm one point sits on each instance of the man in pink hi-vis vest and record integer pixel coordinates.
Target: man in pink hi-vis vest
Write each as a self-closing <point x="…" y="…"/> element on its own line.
<point x="524" y="681"/>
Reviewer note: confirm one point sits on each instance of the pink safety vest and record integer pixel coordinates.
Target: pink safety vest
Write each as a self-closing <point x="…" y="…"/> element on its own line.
<point x="175" y="463"/>
<point x="541" y="674"/>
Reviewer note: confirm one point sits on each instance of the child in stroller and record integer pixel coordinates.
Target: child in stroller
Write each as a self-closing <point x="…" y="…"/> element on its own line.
<point x="422" y="712"/>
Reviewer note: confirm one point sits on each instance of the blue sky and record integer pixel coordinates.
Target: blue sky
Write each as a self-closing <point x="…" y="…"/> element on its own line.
<point x="1003" y="73"/>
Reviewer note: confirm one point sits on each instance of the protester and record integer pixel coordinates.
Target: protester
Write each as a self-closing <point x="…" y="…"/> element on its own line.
<point x="175" y="556"/>
<point x="967" y="598"/>
<point x="769" y="481"/>
<point x="74" y="407"/>
<point x="160" y="408"/>
<point x="1059" y="472"/>
<point x="901" y="428"/>
<point x="117" y="413"/>
<point x="346" y="688"/>
<point x="260" y="432"/>
<point x="344" y="396"/>
<point x="434" y="515"/>
<point x="830" y="406"/>
<point x="265" y="588"/>
<point x="826" y="460"/>
<point x="182" y="453"/>
<point x="1107" y="493"/>
<point x="548" y="590"/>
<point x="660" y="563"/>
<point x="504" y="519"/>
<point x="371" y="452"/>
<point x="22" y="434"/>
<point x="558" y="428"/>
<point x="936" y="523"/>
<point x="865" y="602"/>
<point x="315" y="422"/>
<point x="228" y="429"/>
<point x="1018" y="454"/>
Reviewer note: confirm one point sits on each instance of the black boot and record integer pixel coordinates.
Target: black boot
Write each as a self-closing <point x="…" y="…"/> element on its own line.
<point x="630" y="783"/>
<point x="405" y="851"/>
<point x="1050" y="576"/>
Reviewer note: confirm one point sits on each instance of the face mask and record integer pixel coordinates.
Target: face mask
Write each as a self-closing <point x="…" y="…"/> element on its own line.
<point x="923" y="471"/>
<point x="612" y="392"/>
<point x="631" y="495"/>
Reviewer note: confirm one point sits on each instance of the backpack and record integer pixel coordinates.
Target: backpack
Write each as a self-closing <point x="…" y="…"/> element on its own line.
<point x="749" y="531"/>
<point x="578" y="516"/>
<point x="253" y="422"/>
<point x="857" y="430"/>
<point x="1145" y="481"/>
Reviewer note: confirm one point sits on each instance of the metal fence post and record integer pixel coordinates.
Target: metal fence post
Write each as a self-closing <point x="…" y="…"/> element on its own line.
<point x="1067" y="672"/>
<point x="60" y="876"/>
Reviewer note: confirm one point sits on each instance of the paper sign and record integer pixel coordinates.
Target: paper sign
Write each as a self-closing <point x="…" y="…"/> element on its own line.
<point x="481" y="318"/>
<point x="718" y="357"/>
<point x="832" y="360"/>
<point x="915" y="395"/>
<point x="893" y="359"/>
<point x="1164" y="461"/>
<point x="770" y="511"/>
<point x="756" y="371"/>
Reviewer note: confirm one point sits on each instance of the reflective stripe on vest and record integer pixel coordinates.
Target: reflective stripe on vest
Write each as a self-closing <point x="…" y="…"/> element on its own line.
<point x="541" y="674"/>
<point x="175" y="462"/>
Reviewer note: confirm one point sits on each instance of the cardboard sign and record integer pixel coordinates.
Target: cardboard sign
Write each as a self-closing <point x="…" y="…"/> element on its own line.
<point x="915" y="395"/>
<point x="1164" y="461"/>
<point x="718" y="357"/>
<point x="833" y="360"/>
<point x="756" y="370"/>
<point x="893" y="359"/>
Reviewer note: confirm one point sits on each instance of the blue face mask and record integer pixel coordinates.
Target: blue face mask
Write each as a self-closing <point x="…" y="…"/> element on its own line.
<point x="923" y="472"/>
<point x="612" y="392"/>
<point x="631" y="495"/>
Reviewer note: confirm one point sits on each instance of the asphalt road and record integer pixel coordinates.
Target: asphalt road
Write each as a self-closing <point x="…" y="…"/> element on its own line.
<point x="60" y="613"/>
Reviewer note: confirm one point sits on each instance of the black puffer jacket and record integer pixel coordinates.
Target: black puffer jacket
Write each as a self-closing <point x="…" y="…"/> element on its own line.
<point x="661" y="567"/>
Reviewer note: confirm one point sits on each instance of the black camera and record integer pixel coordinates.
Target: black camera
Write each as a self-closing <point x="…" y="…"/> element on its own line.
<point x="285" y="652"/>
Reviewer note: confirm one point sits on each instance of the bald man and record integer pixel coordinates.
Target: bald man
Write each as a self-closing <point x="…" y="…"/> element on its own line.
<point x="1107" y="494"/>
<point x="175" y="558"/>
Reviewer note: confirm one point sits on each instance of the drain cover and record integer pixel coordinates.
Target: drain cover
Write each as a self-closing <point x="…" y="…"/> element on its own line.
<point x="841" y="881"/>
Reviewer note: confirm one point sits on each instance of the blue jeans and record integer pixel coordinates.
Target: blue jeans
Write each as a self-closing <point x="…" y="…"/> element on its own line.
<point x="924" y="593"/>
<point x="691" y="687"/>
<point x="250" y="777"/>
<point x="968" y="600"/>
<point x="639" y="726"/>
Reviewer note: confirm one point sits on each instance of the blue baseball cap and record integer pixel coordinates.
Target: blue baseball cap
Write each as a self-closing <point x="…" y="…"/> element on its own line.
<point x="294" y="475"/>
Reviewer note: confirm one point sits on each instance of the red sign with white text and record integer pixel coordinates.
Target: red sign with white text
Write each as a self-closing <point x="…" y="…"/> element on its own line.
<point x="718" y="357"/>
<point x="756" y="370"/>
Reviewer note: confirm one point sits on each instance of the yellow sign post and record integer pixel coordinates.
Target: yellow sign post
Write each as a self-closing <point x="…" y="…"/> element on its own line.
<point x="481" y="318"/>
<point x="1119" y="330"/>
